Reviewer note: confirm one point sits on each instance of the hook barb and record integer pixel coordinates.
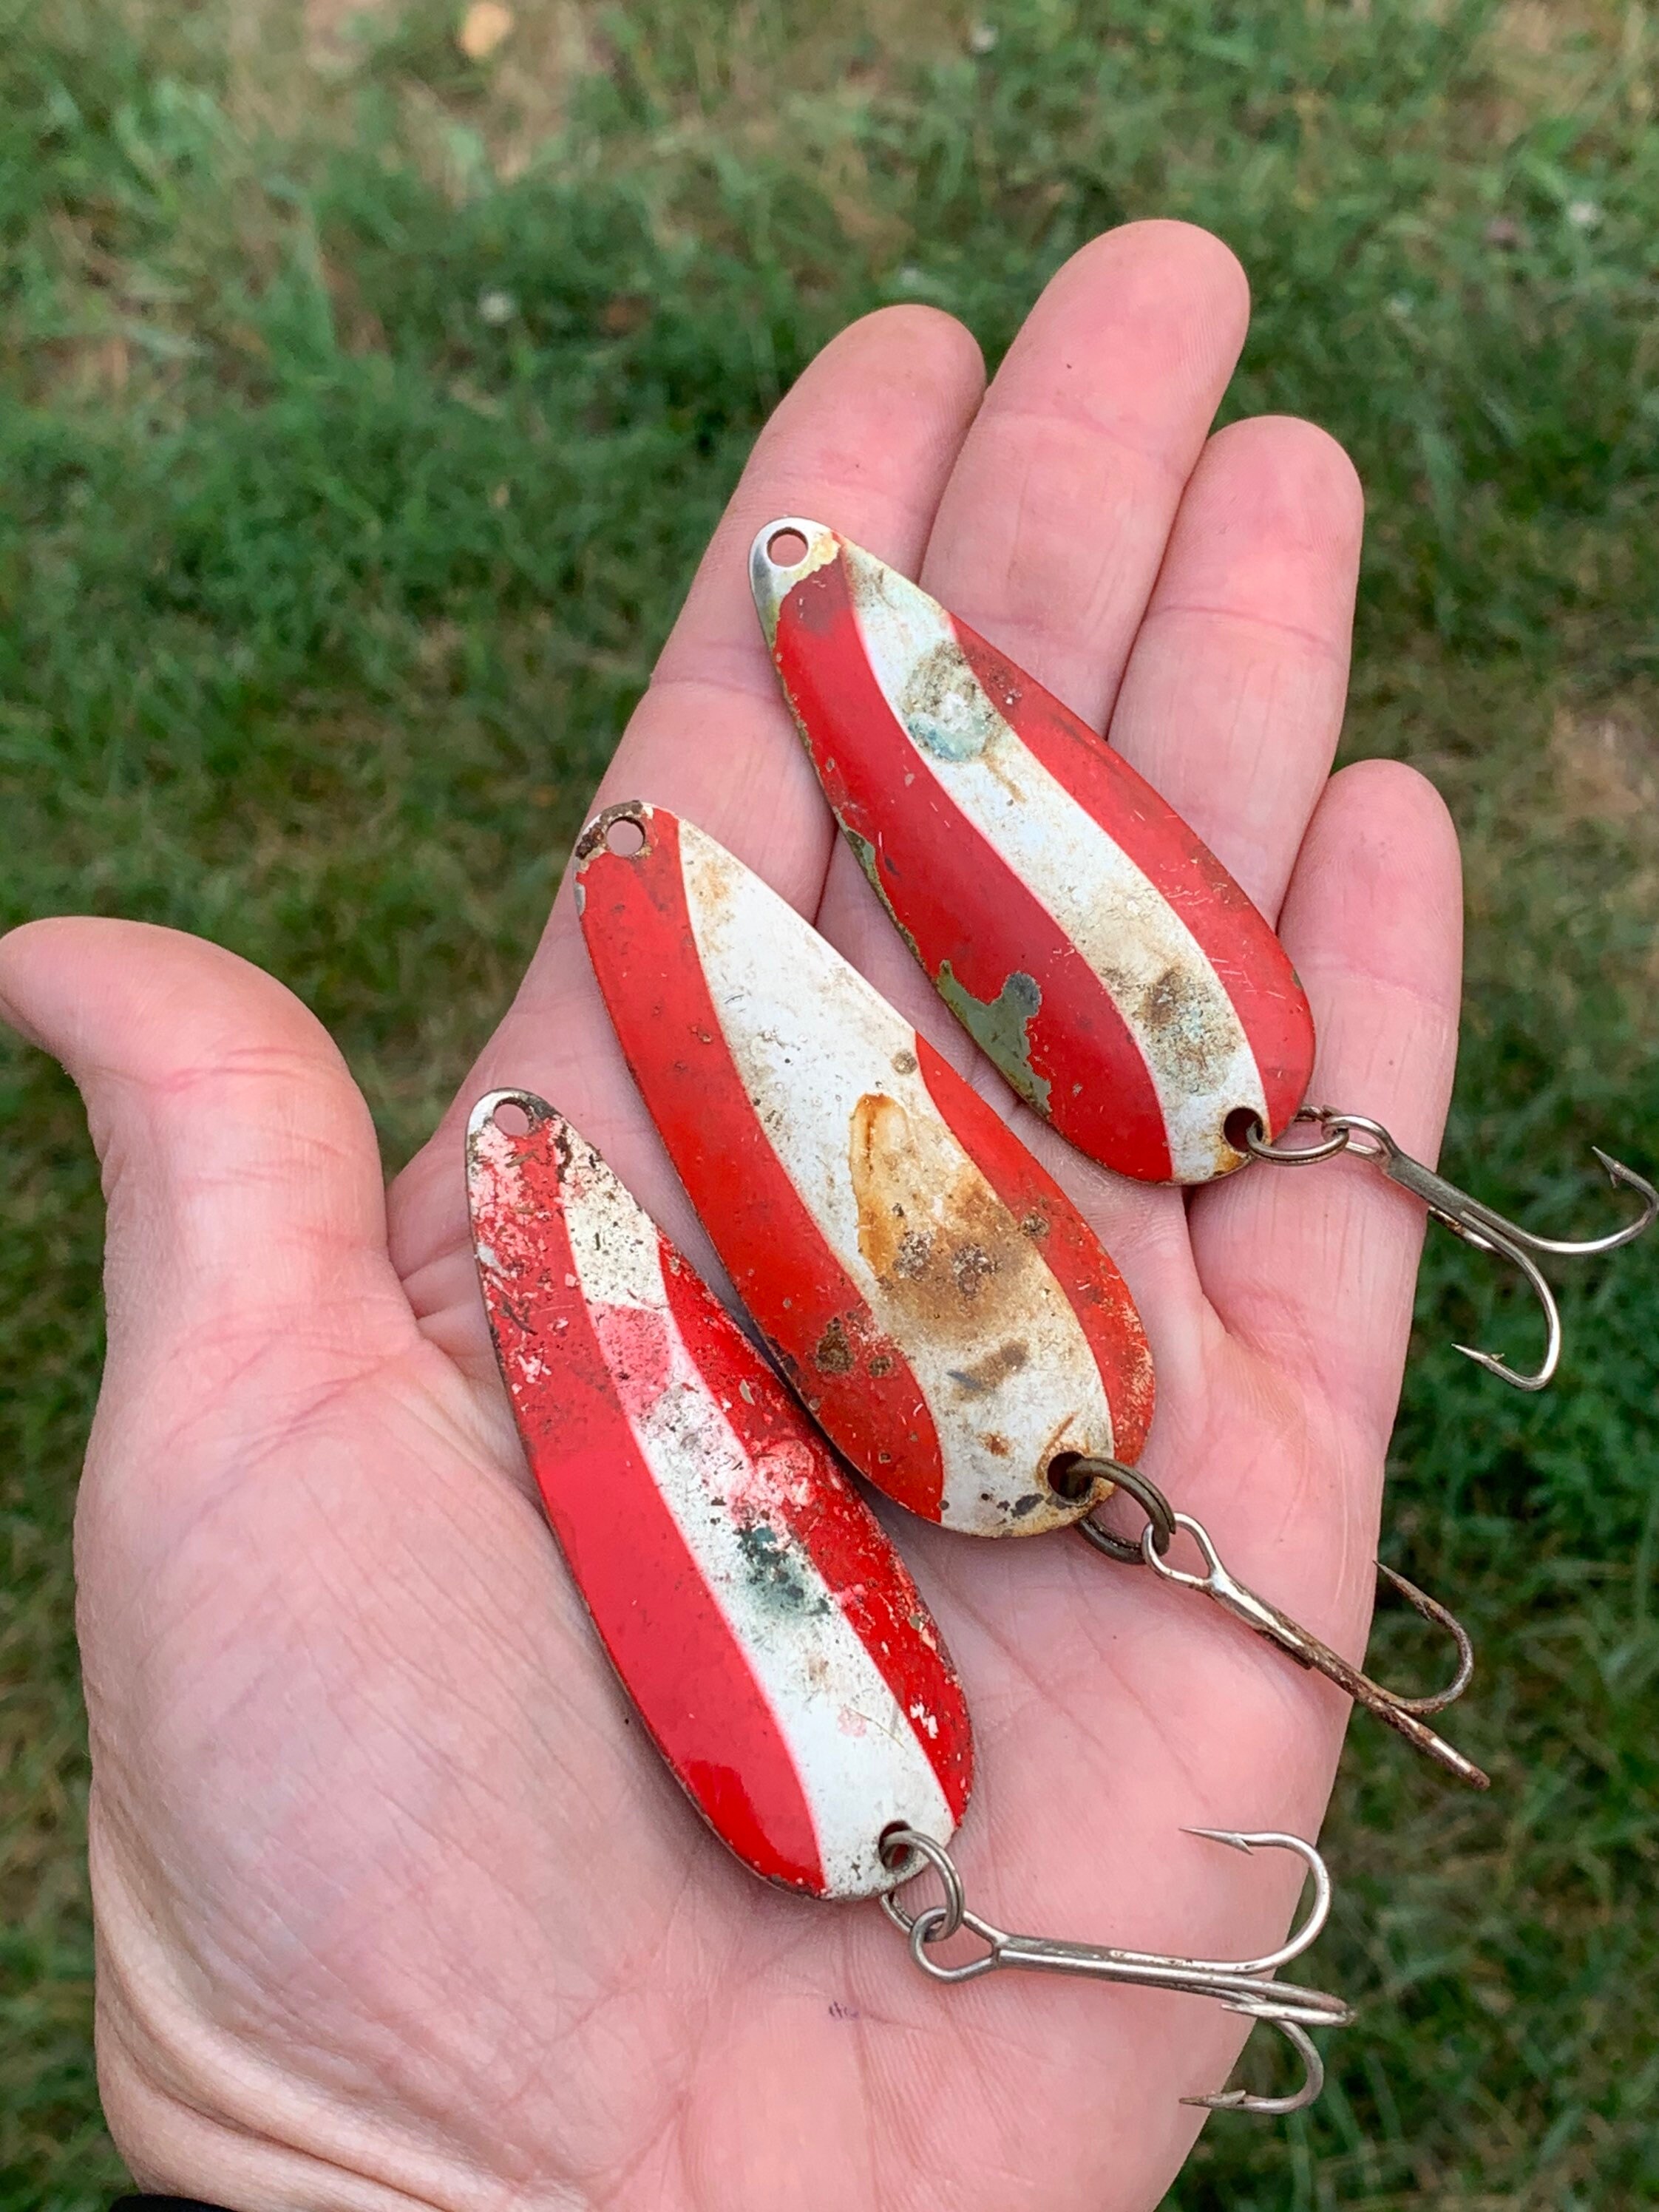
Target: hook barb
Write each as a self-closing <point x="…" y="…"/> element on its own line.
<point x="1587" y="1246"/>
<point x="1239" y="1985"/>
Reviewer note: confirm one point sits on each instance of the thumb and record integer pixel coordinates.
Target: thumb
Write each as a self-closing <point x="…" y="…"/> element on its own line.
<point x="246" y="1207"/>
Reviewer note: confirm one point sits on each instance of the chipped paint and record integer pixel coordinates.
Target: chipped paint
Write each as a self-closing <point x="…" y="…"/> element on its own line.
<point x="772" y="581"/>
<point x="1001" y="1028"/>
<point x="943" y="707"/>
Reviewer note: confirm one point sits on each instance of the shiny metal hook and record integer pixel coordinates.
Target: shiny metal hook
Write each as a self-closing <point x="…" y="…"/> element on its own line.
<point x="1241" y="1986"/>
<point x="1401" y="1714"/>
<point x="1466" y="1217"/>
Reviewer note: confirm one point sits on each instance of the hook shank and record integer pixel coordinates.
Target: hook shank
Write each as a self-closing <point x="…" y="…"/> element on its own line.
<point x="1401" y="1714"/>
<point x="1398" y="1713"/>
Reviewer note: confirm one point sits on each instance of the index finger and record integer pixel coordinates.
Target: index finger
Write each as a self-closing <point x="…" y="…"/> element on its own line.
<point x="871" y="429"/>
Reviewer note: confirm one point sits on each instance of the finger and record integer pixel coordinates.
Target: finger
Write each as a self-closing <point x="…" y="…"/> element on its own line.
<point x="239" y="1162"/>
<point x="1314" y="1267"/>
<point x="239" y="1169"/>
<point x="867" y="435"/>
<point x="1050" y="535"/>
<point x="869" y="432"/>
<point x="1232" y="701"/>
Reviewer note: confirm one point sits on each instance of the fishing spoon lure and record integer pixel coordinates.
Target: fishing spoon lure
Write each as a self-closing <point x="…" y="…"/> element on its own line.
<point x="772" y="1640"/>
<point x="769" y="1634"/>
<point x="942" y="1309"/>
<point x="1085" y="937"/>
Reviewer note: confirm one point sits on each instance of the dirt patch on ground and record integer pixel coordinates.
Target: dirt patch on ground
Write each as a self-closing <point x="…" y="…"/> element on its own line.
<point x="1606" y="765"/>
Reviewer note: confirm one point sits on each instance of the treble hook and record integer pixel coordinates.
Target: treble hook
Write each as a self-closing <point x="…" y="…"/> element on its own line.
<point x="1401" y="1714"/>
<point x="1466" y="1217"/>
<point x="1241" y="1986"/>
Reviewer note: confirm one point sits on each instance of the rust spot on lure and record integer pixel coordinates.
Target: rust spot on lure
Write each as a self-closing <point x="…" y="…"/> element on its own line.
<point x="1177" y="1011"/>
<point x="597" y="833"/>
<point x="833" y="1354"/>
<point x="954" y="1263"/>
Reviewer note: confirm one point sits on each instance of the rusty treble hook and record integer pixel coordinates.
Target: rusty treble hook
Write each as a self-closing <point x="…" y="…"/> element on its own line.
<point x="1403" y="1715"/>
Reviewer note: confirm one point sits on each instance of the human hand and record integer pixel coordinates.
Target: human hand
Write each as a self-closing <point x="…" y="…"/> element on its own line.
<point x="394" y="1903"/>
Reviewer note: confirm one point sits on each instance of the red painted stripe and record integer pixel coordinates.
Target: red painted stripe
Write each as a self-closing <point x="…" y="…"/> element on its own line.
<point x="852" y="1376"/>
<point x="1075" y="1256"/>
<point x="814" y="1506"/>
<point x="951" y="891"/>
<point x="663" y="1631"/>
<point x="1235" y="936"/>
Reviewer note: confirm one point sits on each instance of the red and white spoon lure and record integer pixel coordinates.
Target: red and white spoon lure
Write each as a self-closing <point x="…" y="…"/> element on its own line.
<point x="1091" y="943"/>
<point x="769" y="1634"/>
<point x="949" y="1318"/>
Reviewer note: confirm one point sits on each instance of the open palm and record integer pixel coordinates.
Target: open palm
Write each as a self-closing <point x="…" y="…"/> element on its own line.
<point x="395" y="1902"/>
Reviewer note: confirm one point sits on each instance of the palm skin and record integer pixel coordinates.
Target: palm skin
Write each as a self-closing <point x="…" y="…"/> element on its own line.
<point x="395" y="1904"/>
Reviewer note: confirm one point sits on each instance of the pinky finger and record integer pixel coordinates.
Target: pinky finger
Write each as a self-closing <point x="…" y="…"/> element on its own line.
<point x="1314" y="1267"/>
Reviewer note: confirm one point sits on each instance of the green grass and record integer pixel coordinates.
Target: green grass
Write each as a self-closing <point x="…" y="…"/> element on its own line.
<point x="325" y="595"/>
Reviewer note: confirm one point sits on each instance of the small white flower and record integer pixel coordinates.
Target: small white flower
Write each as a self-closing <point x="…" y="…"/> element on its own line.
<point x="482" y="28"/>
<point x="496" y="308"/>
<point x="1583" y="215"/>
<point x="982" y="38"/>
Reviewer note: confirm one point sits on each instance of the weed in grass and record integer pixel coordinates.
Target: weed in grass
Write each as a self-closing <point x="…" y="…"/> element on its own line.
<point x="366" y="405"/>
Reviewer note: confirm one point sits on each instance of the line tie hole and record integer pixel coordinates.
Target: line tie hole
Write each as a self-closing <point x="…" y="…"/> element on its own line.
<point x="784" y="548"/>
<point x="624" y="838"/>
<point x="1241" y="1124"/>
<point x="1069" y="1477"/>
<point x="511" y="1119"/>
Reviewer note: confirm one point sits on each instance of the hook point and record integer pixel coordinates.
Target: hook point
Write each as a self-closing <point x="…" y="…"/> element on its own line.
<point x="1500" y="1367"/>
<point x="1619" y="1173"/>
<point x="1313" y="2080"/>
<point x="1233" y="1837"/>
